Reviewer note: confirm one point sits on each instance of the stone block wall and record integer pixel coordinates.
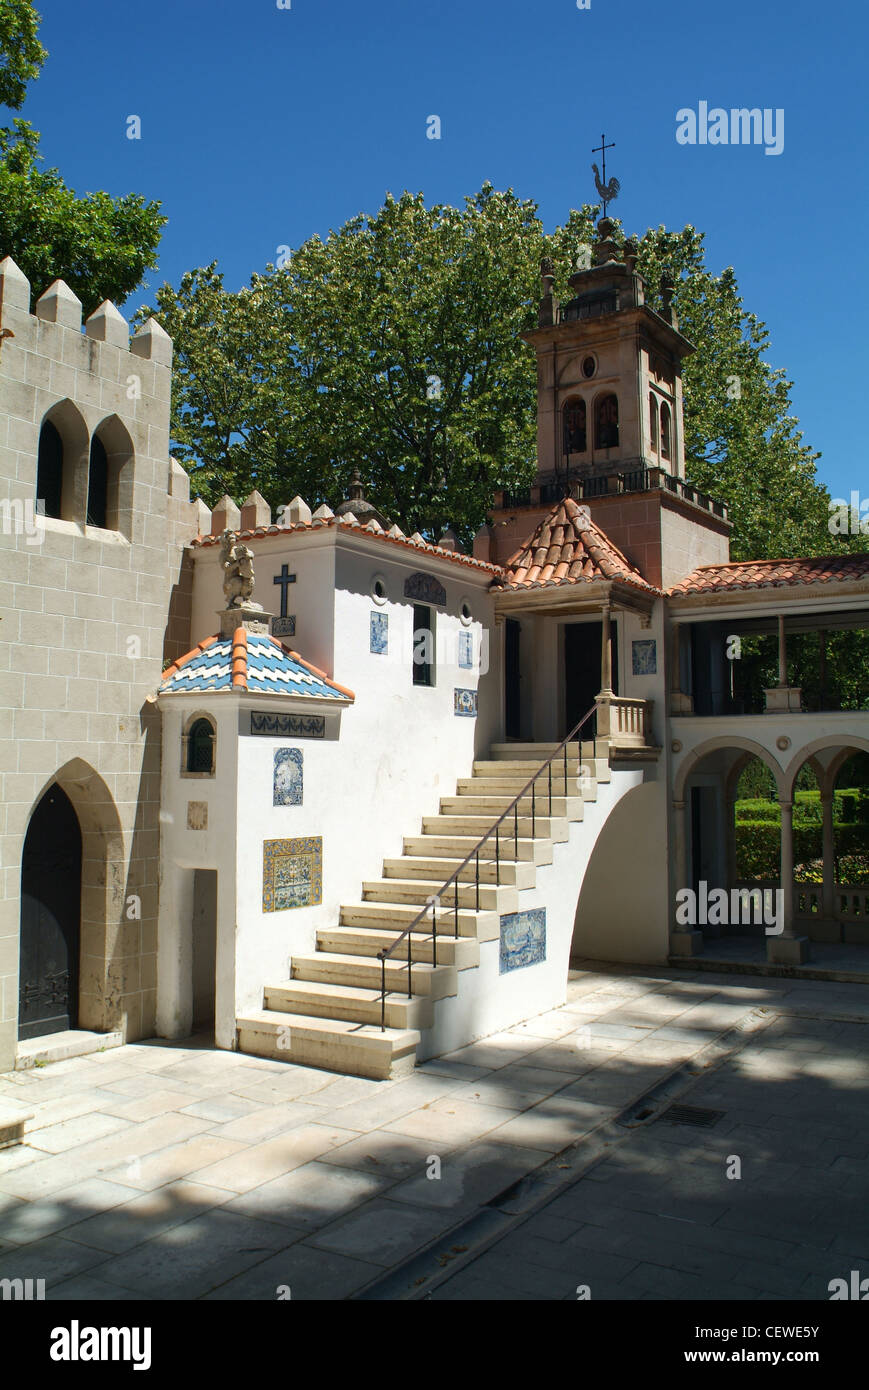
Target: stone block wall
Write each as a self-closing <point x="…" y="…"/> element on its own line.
<point x="83" y="630"/>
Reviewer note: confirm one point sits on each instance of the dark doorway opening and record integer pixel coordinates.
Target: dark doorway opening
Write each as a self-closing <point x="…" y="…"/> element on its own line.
<point x="204" y="949"/>
<point x="582" y="644"/>
<point x="50" y="918"/>
<point x="512" y="677"/>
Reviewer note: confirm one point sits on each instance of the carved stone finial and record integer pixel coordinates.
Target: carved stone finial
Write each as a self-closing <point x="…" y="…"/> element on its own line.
<point x="631" y="252"/>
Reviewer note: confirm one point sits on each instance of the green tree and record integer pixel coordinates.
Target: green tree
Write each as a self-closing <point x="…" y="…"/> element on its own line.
<point x="395" y="346"/>
<point x="101" y="246"/>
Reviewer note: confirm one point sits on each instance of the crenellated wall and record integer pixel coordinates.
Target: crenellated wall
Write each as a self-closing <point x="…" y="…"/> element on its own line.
<point x="84" y="628"/>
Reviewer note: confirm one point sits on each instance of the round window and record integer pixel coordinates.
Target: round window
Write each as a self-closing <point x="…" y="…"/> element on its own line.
<point x="589" y="366"/>
<point x="378" y="589"/>
<point x="466" y="613"/>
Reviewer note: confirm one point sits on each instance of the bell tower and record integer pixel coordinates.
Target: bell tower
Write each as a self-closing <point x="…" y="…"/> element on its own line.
<point x="610" y="429"/>
<point x="609" y="375"/>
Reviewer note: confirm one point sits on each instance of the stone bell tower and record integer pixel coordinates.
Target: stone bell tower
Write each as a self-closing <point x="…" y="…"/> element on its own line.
<point x="609" y="422"/>
<point x="609" y="373"/>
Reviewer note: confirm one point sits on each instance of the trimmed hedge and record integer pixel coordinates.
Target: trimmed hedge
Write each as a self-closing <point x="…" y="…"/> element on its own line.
<point x="758" y="845"/>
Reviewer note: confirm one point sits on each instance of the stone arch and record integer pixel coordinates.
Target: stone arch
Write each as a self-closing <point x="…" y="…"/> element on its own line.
<point x="108" y="939"/>
<point x="846" y="744"/>
<point x="120" y="456"/>
<point x="67" y="420"/>
<point x="713" y="745"/>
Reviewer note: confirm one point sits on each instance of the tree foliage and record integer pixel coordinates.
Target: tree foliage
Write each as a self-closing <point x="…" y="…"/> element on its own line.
<point x="100" y="245"/>
<point x="395" y="345"/>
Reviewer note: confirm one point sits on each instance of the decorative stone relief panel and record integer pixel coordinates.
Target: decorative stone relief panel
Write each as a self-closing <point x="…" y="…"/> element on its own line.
<point x="378" y="640"/>
<point x="465" y="702"/>
<point x="523" y="939"/>
<point x="197" y="815"/>
<point x="287" y="725"/>
<point x="292" y="873"/>
<point x="284" y="627"/>
<point x="288" y="777"/>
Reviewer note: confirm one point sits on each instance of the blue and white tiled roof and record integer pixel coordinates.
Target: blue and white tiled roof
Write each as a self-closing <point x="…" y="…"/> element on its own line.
<point x="250" y="662"/>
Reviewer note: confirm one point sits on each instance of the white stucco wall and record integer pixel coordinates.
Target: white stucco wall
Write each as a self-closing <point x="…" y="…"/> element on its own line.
<point x="384" y="763"/>
<point x="487" y="1000"/>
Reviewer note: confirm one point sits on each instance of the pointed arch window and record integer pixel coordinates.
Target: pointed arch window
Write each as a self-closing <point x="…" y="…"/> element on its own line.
<point x="653" y="422"/>
<point x="606" y="433"/>
<point x="574" y="419"/>
<point x="98" y="484"/>
<point x="49" y="471"/>
<point x="666" y="429"/>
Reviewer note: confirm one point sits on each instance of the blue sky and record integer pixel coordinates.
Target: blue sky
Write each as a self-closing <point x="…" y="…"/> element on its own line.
<point x="261" y="126"/>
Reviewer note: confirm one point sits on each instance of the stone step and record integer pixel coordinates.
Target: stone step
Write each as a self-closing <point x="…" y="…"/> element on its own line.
<point x="363" y="972"/>
<point x="597" y="768"/>
<point x="513" y="752"/>
<point x="13" y="1121"/>
<point x="516" y="874"/>
<point x="491" y="807"/>
<point x="333" y="1044"/>
<point x="482" y="925"/>
<point x="419" y="891"/>
<point x="528" y="850"/>
<point x="585" y="787"/>
<point x="553" y="828"/>
<point x="344" y="1001"/>
<point x="460" y="951"/>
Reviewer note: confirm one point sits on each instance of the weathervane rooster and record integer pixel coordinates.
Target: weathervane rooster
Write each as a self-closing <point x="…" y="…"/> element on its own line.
<point x="607" y="192"/>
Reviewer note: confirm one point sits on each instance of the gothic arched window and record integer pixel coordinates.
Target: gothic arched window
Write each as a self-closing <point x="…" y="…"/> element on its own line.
<point x="200" y="748"/>
<point x="606" y="433"/>
<point x="665" y="432"/>
<point x="49" y="471"/>
<point x="574" y="427"/>
<point x="98" y="485"/>
<point x="653" y="421"/>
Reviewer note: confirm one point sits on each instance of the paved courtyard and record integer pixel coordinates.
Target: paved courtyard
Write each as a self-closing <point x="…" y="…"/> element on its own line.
<point x="164" y="1171"/>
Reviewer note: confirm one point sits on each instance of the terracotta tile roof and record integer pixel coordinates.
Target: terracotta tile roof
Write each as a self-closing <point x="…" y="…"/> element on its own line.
<point x="774" y="574"/>
<point x="249" y="661"/>
<point x="391" y="537"/>
<point x="568" y="548"/>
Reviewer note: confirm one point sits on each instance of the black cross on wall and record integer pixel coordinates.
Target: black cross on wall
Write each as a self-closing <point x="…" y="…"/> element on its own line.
<point x="284" y="579"/>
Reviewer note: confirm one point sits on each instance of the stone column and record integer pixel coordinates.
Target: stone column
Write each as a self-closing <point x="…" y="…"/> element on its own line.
<point x="827" y="891"/>
<point x="685" y="940"/>
<point x="782" y="653"/>
<point x="606" y="672"/>
<point x="787" y="948"/>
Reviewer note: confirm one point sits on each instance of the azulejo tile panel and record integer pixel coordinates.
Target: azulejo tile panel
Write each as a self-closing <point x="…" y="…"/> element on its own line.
<point x="292" y="873"/>
<point x="288" y="777"/>
<point x="465" y="702"/>
<point x="378" y="639"/>
<point x="466" y="650"/>
<point x="523" y="939"/>
<point x="425" y="588"/>
<point x="644" y="656"/>
<point x="287" y="725"/>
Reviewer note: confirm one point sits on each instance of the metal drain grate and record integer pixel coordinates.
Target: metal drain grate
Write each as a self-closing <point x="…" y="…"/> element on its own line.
<point x="692" y="1115"/>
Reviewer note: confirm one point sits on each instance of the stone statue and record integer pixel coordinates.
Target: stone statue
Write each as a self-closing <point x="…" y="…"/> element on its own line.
<point x="238" y="576"/>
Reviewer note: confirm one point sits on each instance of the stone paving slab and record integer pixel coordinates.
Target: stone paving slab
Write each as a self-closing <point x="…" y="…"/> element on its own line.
<point x="165" y="1170"/>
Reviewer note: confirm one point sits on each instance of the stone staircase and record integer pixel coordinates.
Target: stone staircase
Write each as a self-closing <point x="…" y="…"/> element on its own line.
<point x="328" y="1014"/>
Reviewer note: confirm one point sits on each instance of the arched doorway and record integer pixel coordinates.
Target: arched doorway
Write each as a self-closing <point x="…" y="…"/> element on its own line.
<point x="50" y="918"/>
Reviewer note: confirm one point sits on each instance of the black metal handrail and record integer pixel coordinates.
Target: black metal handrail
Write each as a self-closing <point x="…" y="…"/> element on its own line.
<point x="434" y="900"/>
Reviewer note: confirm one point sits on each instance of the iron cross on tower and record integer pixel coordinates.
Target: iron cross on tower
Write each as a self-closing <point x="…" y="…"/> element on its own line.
<point x="607" y="192"/>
